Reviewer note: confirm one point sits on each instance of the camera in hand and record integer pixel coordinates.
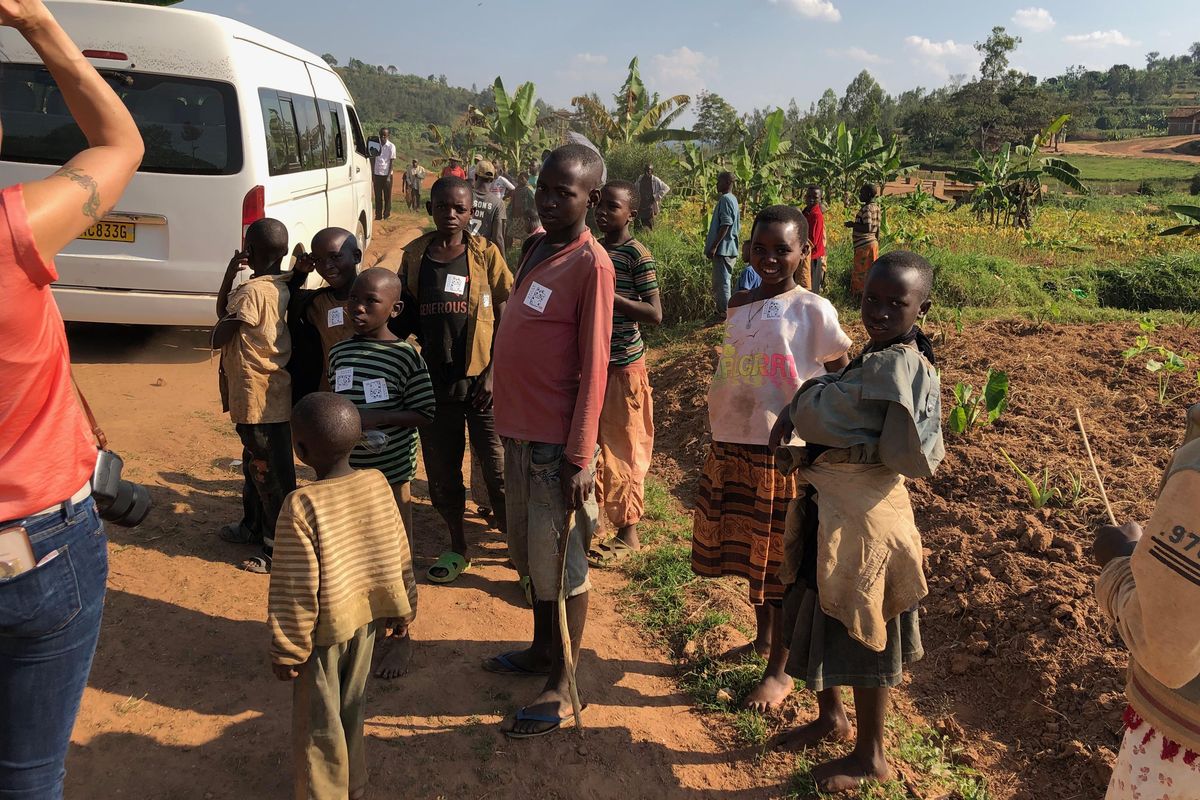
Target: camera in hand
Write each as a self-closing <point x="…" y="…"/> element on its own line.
<point x="118" y="501"/>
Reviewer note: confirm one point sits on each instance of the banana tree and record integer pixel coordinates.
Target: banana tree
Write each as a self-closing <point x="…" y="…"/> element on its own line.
<point x="1009" y="186"/>
<point x="454" y="141"/>
<point x="510" y="127"/>
<point x="839" y="160"/>
<point x="763" y="166"/>
<point x="1190" y="215"/>
<point x="640" y="116"/>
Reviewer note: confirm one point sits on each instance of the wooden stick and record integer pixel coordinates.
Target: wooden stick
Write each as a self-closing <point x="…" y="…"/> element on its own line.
<point x="1095" y="470"/>
<point x="564" y="629"/>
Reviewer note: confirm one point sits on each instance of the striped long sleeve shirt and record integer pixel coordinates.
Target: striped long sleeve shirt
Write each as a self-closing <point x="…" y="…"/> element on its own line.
<point x="341" y="561"/>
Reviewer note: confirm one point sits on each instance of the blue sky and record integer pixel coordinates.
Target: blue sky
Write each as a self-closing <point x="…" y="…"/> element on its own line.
<point x="752" y="52"/>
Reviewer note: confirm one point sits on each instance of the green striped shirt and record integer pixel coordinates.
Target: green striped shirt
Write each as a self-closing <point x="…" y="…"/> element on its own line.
<point x="395" y="377"/>
<point x="636" y="280"/>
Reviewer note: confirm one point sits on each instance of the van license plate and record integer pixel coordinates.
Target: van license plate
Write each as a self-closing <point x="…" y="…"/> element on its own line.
<point x="110" y="232"/>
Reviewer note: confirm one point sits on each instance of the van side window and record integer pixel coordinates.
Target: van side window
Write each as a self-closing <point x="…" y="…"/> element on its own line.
<point x="360" y="141"/>
<point x="279" y="123"/>
<point x="312" y="134"/>
<point x="335" y="144"/>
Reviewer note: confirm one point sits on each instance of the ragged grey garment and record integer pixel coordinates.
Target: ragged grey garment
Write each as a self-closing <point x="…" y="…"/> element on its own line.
<point x="886" y="408"/>
<point x="881" y="419"/>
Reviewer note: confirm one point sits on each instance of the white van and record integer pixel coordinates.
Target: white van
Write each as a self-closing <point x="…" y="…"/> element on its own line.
<point x="238" y="125"/>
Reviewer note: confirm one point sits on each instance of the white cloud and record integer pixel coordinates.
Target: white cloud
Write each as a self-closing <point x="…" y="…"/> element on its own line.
<point x="1033" y="19"/>
<point x="856" y="54"/>
<point x="683" y="70"/>
<point x="942" y="58"/>
<point x="590" y="60"/>
<point x="814" y="9"/>
<point x="1112" y="38"/>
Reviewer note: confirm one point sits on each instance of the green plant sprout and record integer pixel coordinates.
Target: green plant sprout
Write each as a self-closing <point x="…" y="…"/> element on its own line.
<point x="1164" y="364"/>
<point x="1040" y="495"/>
<point x="1077" y="486"/>
<point x="973" y="410"/>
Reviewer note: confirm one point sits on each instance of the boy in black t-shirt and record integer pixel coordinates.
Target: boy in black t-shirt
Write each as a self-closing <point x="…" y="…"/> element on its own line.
<point x="457" y="284"/>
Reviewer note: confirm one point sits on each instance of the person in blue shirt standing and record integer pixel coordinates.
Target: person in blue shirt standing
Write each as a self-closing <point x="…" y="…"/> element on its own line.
<point x="721" y="246"/>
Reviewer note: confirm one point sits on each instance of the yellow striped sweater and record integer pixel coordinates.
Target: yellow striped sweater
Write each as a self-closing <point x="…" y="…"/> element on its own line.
<point x="341" y="561"/>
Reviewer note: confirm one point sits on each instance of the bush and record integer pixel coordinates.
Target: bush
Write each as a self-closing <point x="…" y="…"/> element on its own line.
<point x="684" y="276"/>
<point x="1169" y="283"/>
<point x="1194" y="185"/>
<point x="626" y="162"/>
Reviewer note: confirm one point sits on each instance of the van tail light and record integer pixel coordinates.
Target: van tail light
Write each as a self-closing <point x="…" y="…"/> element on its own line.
<point x="105" y="55"/>
<point x="254" y="208"/>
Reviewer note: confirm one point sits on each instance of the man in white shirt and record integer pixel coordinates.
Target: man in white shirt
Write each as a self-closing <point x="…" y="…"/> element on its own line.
<point x="382" y="169"/>
<point x="472" y="170"/>
<point x="414" y="176"/>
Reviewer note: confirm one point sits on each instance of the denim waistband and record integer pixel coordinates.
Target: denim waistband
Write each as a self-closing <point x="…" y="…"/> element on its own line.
<point x="43" y="526"/>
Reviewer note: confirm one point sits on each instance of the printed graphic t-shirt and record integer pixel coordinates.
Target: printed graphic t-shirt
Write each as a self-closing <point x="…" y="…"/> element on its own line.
<point x="487" y="210"/>
<point x="443" y="312"/>
<point x="771" y="347"/>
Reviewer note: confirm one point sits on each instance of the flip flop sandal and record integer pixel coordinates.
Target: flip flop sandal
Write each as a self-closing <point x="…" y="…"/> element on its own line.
<point x="609" y="553"/>
<point x="237" y="534"/>
<point x="504" y="665"/>
<point x="259" y="565"/>
<point x="554" y="722"/>
<point x="452" y="565"/>
<point x="526" y="583"/>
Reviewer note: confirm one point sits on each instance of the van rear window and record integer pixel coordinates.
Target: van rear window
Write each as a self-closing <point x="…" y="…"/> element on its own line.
<point x="190" y="126"/>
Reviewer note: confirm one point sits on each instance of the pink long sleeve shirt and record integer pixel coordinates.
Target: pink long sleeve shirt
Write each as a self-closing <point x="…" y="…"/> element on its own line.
<point x="550" y="363"/>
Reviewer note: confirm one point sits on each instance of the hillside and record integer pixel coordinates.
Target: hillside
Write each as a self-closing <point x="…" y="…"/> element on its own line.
<point x="386" y="97"/>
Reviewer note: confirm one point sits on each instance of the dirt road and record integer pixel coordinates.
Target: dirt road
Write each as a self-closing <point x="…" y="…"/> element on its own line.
<point x="1165" y="147"/>
<point x="181" y="702"/>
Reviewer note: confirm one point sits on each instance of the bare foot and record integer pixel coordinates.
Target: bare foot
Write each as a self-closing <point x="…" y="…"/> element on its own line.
<point x="745" y="651"/>
<point x="771" y="691"/>
<point x="821" y="729"/>
<point x="849" y="773"/>
<point x="396" y="657"/>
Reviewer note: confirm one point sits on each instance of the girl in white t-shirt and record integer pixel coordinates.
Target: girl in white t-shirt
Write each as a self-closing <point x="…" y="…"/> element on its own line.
<point x="777" y="336"/>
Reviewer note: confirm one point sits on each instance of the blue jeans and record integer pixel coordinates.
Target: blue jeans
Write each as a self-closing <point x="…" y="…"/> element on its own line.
<point x="49" y="623"/>
<point x="722" y="271"/>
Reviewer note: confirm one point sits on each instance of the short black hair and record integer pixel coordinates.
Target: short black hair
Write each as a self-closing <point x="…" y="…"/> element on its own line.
<point x="871" y="189"/>
<point x="327" y="423"/>
<point x="270" y="233"/>
<point x="589" y="161"/>
<point x="629" y="189"/>
<point x="725" y="175"/>
<point x="333" y="230"/>
<point x="449" y="183"/>
<point x="385" y="277"/>
<point x="907" y="260"/>
<point x="786" y="215"/>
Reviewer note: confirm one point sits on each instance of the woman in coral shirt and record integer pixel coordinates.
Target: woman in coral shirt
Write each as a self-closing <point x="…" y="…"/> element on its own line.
<point x="50" y="614"/>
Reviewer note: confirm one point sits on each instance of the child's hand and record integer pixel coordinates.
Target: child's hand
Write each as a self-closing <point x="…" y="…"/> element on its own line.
<point x="284" y="672"/>
<point x="782" y="430"/>
<point x="481" y="392"/>
<point x="1115" y="542"/>
<point x="305" y="263"/>
<point x="371" y="420"/>
<point x="577" y="485"/>
<point x="238" y="262"/>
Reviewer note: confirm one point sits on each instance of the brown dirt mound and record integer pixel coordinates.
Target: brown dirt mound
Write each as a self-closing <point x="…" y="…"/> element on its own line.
<point x="1016" y="649"/>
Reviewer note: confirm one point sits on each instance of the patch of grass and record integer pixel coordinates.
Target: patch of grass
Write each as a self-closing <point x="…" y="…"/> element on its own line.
<point x="129" y="704"/>
<point x="1117" y="168"/>
<point x="750" y="728"/>
<point x="722" y="685"/>
<point x="660" y="578"/>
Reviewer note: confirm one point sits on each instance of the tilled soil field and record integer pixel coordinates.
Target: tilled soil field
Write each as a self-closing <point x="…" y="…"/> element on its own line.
<point x="1022" y="670"/>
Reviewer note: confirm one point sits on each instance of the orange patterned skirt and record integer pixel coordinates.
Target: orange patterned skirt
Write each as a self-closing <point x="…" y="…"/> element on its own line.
<point x="739" y="520"/>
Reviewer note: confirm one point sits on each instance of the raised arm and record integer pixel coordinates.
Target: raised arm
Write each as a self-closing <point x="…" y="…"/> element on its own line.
<point x="87" y="187"/>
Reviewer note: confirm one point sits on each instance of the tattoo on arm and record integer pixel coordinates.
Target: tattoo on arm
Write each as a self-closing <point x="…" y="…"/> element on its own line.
<point x="91" y="208"/>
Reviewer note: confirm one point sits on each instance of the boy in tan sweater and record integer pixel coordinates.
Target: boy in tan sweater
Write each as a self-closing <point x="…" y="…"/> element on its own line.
<point x="342" y="569"/>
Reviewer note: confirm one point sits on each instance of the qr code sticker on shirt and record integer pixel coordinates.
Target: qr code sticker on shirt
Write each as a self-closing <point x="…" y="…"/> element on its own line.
<point x="538" y="297"/>
<point x="772" y="309"/>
